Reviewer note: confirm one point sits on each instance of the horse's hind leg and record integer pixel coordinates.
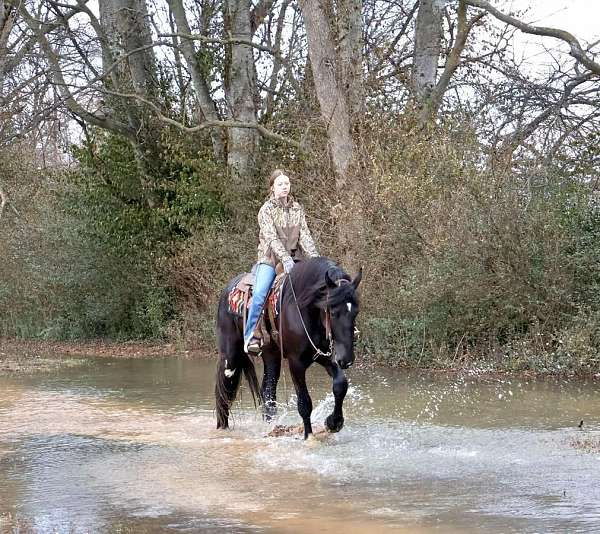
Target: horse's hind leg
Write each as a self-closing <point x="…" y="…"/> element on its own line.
<point x="272" y="371"/>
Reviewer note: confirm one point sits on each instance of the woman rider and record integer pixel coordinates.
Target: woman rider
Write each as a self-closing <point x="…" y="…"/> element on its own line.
<point x="282" y="231"/>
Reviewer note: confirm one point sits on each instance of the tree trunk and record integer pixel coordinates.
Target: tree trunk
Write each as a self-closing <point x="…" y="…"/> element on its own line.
<point x="3" y="200"/>
<point x="7" y="19"/>
<point x="350" y="38"/>
<point x="208" y="110"/>
<point x="330" y="93"/>
<point x="334" y="111"/>
<point x="126" y="27"/>
<point x="433" y="96"/>
<point x="125" y="23"/>
<point x="180" y="81"/>
<point x="240" y="91"/>
<point x="428" y="36"/>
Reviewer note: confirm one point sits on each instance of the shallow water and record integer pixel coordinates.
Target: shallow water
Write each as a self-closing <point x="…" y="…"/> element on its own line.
<point x="130" y="446"/>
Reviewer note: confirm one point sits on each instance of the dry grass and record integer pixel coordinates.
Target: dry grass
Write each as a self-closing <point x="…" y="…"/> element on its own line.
<point x="25" y="356"/>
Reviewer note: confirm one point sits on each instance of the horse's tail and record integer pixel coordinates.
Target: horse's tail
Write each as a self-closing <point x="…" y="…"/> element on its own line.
<point x="228" y="381"/>
<point x="233" y="362"/>
<point x="252" y="379"/>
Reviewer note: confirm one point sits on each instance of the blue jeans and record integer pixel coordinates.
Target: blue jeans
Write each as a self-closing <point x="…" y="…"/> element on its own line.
<point x="265" y="274"/>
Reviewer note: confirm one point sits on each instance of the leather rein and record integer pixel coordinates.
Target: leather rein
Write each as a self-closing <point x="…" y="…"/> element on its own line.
<point x="328" y="332"/>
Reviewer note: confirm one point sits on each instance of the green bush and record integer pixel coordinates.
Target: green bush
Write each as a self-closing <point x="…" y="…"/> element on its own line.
<point x="461" y="262"/>
<point x="92" y="264"/>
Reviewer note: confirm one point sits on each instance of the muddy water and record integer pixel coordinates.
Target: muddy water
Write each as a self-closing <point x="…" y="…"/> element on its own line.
<point x="130" y="446"/>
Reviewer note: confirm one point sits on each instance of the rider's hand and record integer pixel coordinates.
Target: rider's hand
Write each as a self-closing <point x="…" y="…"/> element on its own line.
<point x="288" y="265"/>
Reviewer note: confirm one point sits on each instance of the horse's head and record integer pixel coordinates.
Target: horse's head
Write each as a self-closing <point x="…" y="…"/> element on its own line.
<point x="342" y="304"/>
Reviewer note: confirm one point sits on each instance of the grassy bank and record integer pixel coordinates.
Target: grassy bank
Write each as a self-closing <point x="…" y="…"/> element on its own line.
<point x="27" y="356"/>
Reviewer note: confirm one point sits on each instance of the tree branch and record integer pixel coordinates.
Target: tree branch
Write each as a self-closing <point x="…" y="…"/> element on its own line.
<point x="277" y="64"/>
<point x="62" y="86"/>
<point x="575" y="47"/>
<point x="268" y="134"/>
<point x="259" y="13"/>
<point x="452" y="61"/>
<point x="512" y="141"/>
<point x="392" y="46"/>
<point x="216" y="40"/>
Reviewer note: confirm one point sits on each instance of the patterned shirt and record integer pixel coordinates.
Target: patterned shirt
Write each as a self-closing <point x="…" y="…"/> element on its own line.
<point x="283" y="230"/>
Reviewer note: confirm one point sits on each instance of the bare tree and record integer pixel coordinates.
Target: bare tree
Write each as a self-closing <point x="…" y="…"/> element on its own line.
<point x="329" y="88"/>
<point x="207" y="107"/>
<point x="25" y="93"/>
<point x="279" y="63"/>
<point x="351" y="44"/>
<point x="388" y="29"/>
<point x="453" y="59"/>
<point x="441" y="52"/>
<point x="428" y="46"/>
<point x="575" y="47"/>
<point x="7" y="19"/>
<point x="333" y="93"/>
<point x="125" y="23"/>
<point x="429" y="89"/>
<point x="240" y="89"/>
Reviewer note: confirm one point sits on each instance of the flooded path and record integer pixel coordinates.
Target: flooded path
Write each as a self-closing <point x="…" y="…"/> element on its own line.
<point x="130" y="446"/>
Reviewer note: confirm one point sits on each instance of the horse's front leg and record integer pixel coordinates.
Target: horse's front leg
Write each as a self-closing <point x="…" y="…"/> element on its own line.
<point x="335" y="421"/>
<point x="298" y="372"/>
<point x="272" y="370"/>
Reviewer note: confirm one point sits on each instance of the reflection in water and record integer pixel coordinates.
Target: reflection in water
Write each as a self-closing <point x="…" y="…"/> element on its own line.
<point x="131" y="445"/>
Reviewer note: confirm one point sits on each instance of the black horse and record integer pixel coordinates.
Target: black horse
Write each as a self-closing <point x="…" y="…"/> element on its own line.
<point x="318" y="308"/>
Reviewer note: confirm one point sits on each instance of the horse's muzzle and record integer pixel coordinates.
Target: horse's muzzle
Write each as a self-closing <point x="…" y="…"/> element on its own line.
<point x="344" y="364"/>
<point x="343" y="355"/>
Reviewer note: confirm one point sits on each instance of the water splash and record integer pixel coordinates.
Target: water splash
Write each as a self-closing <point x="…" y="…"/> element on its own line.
<point x="97" y="453"/>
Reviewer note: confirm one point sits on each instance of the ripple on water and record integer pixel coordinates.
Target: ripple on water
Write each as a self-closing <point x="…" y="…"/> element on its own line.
<point x="105" y="454"/>
<point x="495" y="472"/>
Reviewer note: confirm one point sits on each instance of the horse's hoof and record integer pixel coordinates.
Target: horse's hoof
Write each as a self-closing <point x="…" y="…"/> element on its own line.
<point x="311" y="441"/>
<point x="334" y="425"/>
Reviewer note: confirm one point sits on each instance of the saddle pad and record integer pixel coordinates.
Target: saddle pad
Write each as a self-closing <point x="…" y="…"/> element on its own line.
<point x="273" y="296"/>
<point x="241" y="293"/>
<point x="235" y="300"/>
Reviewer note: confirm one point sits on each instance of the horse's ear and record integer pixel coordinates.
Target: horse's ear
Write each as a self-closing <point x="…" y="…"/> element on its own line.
<point x="328" y="280"/>
<point x="357" y="279"/>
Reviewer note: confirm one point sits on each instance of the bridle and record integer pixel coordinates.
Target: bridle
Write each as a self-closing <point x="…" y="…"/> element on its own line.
<point x="328" y="332"/>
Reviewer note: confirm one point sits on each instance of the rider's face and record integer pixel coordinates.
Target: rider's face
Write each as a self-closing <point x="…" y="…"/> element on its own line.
<point x="281" y="186"/>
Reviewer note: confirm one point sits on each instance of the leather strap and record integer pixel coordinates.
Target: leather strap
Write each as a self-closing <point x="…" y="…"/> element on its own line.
<point x="245" y="307"/>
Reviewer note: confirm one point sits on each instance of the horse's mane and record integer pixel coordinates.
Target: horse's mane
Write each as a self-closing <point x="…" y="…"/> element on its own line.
<point x="310" y="286"/>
